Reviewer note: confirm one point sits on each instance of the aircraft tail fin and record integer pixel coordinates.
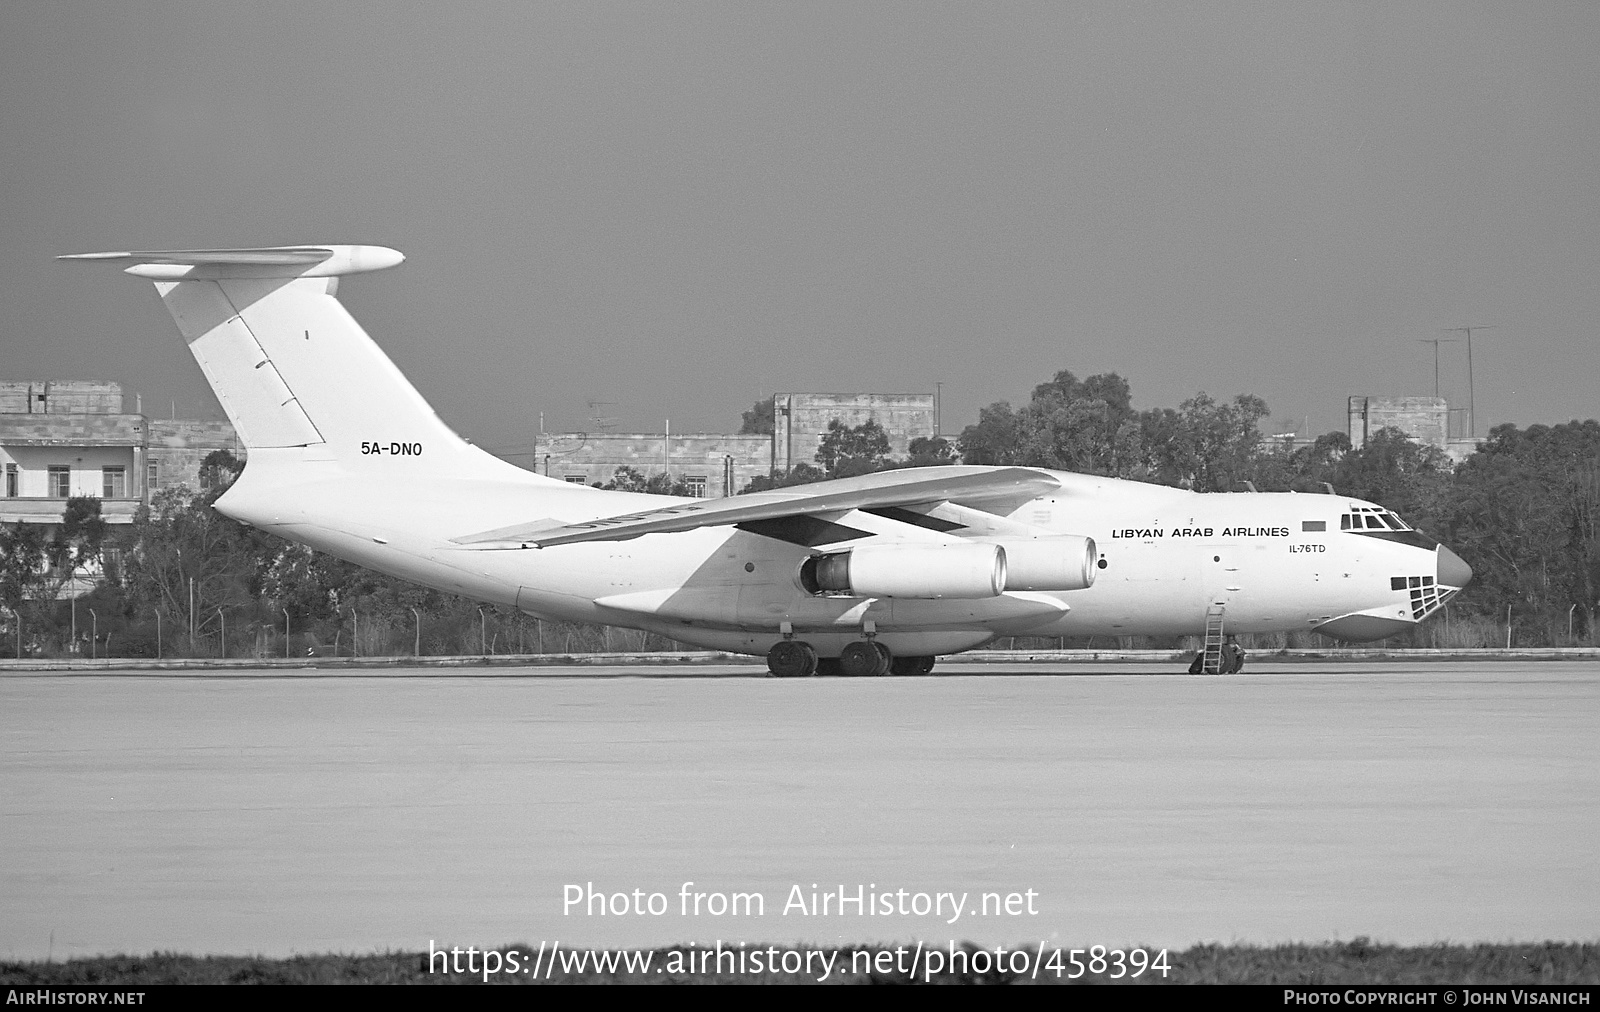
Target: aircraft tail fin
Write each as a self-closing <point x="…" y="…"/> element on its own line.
<point x="291" y="367"/>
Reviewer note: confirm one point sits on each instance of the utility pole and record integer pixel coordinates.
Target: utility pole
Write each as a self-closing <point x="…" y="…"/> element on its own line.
<point x="938" y="410"/>
<point x="1472" y="415"/>
<point x="1436" y="341"/>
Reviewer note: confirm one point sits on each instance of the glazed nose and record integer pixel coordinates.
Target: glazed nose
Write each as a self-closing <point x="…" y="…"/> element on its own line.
<point x="1452" y="571"/>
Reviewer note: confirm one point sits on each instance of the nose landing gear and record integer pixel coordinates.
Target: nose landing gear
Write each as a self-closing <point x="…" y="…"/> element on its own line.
<point x="1228" y="659"/>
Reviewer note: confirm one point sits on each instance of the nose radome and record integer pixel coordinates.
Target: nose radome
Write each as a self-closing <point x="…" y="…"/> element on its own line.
<point x="1452" y="571"/>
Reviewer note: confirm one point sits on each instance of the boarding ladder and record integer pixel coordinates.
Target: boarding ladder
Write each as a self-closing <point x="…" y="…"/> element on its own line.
<point x="1212" y="652"/>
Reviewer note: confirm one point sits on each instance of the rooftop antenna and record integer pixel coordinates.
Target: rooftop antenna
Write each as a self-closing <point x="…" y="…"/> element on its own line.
<point x="1436" y="341"/>
<point x="598" y="419"/>
<point x="1472" y="415"/>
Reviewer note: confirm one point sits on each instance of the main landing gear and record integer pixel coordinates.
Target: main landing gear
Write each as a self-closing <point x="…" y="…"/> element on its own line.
<point x="792" y="658"/>
<point x="865" y="657"/>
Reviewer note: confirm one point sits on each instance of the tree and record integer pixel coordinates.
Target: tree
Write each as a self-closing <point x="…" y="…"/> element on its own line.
<point x="627" y="479"/>
<point x="179" y="537"/>
<point x="800" y="474"/>
<point x="995" y="440"/>
<point x="1395" y="471"/>
<point x="1204" y="445"/>
<point x="847" y="451"/>
<point x="932" y="451"/>
<point x="1088" y="426"/>
<point x="758" y="420"/>
<point x="76" y="543"/>
<point x="663" y="483"/>
<point x="23" y="564"/>
<point x="1523" y="512"/>
<point x="219" y="469"/>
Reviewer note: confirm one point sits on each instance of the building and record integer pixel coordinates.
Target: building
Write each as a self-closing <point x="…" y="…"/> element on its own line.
<point x="66" y="438"/>
<point x="710" y="464"/>
<point x="799" y="421"/>
<point x="1425" y="419"/>
<point x="713" y="465"/>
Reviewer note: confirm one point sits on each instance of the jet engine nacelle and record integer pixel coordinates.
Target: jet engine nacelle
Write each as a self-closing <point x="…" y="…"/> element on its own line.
<point x="949" y="569"/>
<point x="1064" y="563"/>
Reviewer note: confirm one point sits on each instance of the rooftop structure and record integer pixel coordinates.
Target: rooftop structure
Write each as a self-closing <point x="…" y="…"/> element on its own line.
<point x="1425" y="419"/>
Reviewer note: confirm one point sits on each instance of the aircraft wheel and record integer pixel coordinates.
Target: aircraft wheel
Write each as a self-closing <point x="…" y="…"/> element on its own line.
<point x="912" y="665"/>
<point x="828" y="667"/>
<point x="860" y="659"/>
<point x="886" y="659"/>
<point x="791" y="659"/>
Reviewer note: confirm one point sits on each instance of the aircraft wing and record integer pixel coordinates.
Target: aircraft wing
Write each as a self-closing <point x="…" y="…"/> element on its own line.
<point x="883" y="489"/>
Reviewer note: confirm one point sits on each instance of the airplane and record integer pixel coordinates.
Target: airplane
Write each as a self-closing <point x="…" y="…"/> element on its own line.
<point x="858" y="576"/>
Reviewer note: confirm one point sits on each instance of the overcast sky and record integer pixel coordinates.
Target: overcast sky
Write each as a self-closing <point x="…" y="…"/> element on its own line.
<point x="678" y="208"/>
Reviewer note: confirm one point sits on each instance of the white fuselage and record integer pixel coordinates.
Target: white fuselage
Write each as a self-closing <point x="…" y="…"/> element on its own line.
<point x="346" y="456"/>
<point x="1168" y="556"/>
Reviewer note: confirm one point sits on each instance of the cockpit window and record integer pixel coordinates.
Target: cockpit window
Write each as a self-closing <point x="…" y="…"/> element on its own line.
<point x="1371" y="518"/>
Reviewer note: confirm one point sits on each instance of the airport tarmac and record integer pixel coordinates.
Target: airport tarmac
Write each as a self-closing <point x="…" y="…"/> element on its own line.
<point x="306" y="811"/>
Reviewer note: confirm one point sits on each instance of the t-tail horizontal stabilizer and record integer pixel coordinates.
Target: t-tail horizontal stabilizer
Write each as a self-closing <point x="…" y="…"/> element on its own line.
<point x="267" y="262"/>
